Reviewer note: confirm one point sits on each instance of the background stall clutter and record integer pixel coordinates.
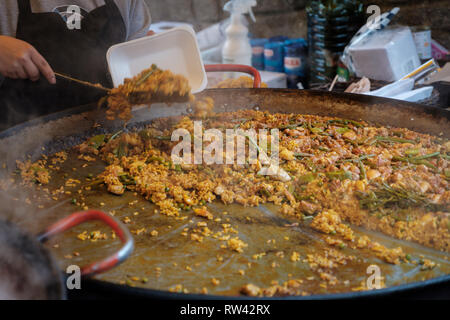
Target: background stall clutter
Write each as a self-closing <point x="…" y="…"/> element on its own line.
<point x="301" y="41"/>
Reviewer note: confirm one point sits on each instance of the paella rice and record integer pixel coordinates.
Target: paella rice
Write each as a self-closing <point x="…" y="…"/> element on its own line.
<point x="241" y="82"/>
<point x="150" y="85"/>
<point x="391" y="180"/>
<point x="343" y="173"/>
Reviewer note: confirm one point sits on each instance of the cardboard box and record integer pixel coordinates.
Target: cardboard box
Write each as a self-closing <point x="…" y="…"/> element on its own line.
<point x="386" y="55"/>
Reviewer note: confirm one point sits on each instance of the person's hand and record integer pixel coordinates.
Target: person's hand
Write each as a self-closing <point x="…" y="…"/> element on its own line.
<point x="20" y="60"/>
<point x="151" y="33"/>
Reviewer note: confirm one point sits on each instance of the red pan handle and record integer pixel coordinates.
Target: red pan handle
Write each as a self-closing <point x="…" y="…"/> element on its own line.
<point x="236" y="68"/>
<point x="81" y="217"/>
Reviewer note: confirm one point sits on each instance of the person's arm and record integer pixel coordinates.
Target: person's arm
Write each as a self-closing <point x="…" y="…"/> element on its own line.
<point x="20" y="60"/>
<point x="139" y="20"/>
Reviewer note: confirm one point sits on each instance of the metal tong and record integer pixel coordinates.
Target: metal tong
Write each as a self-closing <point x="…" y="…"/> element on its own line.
<point x="85" y="83"/>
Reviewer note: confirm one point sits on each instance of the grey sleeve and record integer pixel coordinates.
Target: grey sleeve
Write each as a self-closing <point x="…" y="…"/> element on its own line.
<point x="139" y="20"/>
<point x="9" y="13"/>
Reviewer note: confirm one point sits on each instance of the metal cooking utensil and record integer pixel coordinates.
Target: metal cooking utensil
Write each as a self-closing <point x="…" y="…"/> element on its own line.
<point x="85" y="83"/>
<point x="162" y="251"/>
<point x="236" y="68"/>
<point x="29" y="270"/>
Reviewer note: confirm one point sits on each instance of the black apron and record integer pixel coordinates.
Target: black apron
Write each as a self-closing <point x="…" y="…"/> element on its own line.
<point x="80" y="53"/>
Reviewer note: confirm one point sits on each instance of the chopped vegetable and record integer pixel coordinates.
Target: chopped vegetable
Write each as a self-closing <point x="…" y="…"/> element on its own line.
<point x="385" y="196"/>
<point x="346" y="122"/>
<point x="303" y="155"/>
<point x="146" y="75"/>
<point x="393" y="140"/>
<point x="97" y="141"/>
<point x="342" y="130"/>
<point x="307" y="178"/>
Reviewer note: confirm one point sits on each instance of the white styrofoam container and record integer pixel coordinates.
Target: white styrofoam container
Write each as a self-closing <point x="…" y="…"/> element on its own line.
<point x="163" y="26"/>
<point x="175" y="50"/>
<point x="386" y="55"/>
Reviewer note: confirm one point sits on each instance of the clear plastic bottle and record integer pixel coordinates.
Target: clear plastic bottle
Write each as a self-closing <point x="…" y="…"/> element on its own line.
<point x="237" y="48"/>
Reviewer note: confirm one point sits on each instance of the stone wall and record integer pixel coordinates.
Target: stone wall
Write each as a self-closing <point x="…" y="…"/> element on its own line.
<point x="287" y="17"/>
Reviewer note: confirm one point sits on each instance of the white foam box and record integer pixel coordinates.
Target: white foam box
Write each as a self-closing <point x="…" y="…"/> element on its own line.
<point x="163" y="26"/>
<point x="175" y="49"/>
<point x="386" y="55"/>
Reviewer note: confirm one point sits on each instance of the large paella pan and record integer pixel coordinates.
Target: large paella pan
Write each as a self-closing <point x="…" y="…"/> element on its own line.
<point x="208" y="245"/>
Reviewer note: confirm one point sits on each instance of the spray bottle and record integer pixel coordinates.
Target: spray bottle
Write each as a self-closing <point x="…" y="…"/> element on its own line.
<point x="237" y="49"/>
